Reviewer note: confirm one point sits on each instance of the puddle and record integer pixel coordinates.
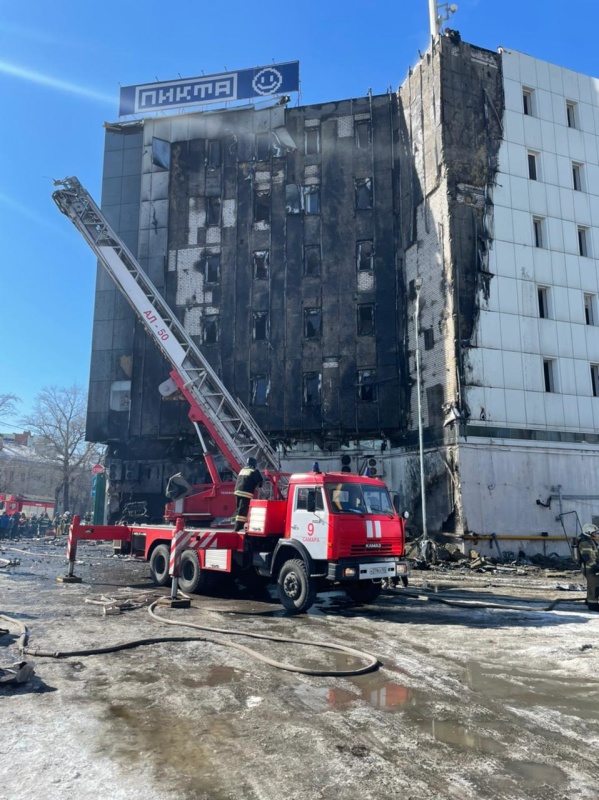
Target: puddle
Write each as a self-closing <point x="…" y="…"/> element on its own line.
<point x="215" y="676"/>
<point x="463" y="738"/>
<point x="375" y="689"/>
<point x="534" y="774"/>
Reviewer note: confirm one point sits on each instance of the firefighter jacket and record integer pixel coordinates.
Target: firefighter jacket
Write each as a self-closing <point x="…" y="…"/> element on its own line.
<point x="248" y="481"/>
<point x="587" y="548"/>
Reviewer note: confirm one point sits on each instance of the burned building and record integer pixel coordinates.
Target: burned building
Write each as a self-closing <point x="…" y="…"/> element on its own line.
<point x="297" y="243"/>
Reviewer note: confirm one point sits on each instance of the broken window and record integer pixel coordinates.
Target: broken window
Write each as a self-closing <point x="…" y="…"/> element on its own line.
<point x="213" y="206"/>
<point x="434" y="404"/>
<point x="363" y="193"/>
<point x="120" y="396"/>
<point x="366" y="320"/>
<point x="312" y="260"/>
<point x="293" y="203"/>
<point x="312" y="141"/>
<point x="212" y="267"/>
<point x="210" y="329"/>
<point x="161" y="153"/>
<point x="312" y="386"/>
<point x="260" y="326"/>
<point x="365" y="253"/>
<point x="363" y="134"/>
<point x="260" y="260"/>
<point x="262" y="206"/>
<point x="429" y="339"/>
<point x="311" y="196"/>
<point x="571" y="113"/>
<point x="312" y="322"/>
<point x="260" y="389"/>
<point x="528" y="102"/>
<point x="367" y="389"/>
<point x="263" y="146"/>
<point x="213" y="150"/>
<point x="590" y="309"/>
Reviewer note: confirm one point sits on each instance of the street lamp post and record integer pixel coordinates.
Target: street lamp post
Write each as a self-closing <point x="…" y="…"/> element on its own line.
<point x="418" y="287"/>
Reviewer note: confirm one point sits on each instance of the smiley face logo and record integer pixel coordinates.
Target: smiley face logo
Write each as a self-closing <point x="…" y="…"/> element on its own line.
<point x="267" y="81"/>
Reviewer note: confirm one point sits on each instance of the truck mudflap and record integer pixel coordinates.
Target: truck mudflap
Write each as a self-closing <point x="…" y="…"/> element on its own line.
<point x="367" y="569"/>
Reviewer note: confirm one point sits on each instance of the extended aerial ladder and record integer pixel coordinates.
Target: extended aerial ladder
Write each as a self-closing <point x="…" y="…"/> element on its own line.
<point x="229" y="423"/>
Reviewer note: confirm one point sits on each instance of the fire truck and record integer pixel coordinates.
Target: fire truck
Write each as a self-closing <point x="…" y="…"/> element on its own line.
<point x="15" y="503"/>
<point x="314" y="531"/>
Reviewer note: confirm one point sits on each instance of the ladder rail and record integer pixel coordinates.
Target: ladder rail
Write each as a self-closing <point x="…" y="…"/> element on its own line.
<point x="230" y="423"/>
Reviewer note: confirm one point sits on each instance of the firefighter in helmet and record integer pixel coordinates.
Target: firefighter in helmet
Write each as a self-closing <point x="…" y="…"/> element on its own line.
<point x="588" y="551"/>
<point x="248" y="480"/>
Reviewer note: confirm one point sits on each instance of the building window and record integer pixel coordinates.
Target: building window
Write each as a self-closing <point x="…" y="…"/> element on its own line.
<point x="260" y="259"/>
<point x="312" y="322"/>
<point x="528" y="102"/>
<point x="262" y="206"/>
<point x="212" y="267"/>
<point x="213" y="210"/>
<point x="262" y="146"/>
<point x="293" y="203"/>
<point x="571" y="114"/>
<point x="312" y="259"/>
<point x="538" y="231"/>
<point x="363" y="134"/>
<point x="312" y="388"/>
<point x="367" y="389"/>
<point x="595" y="379"/>
<point x="260" y="326"/>
<point x="312" y="141"/>
<point x="577" y="177"/>
<point x="533" y="166"/>
<point x="365" y="255"/>
<point x="366" y="320"/>
<point x="590" y="309"/>
<point x="311" y="195"/>
<point x="210" y="329"/>
<point x="429" y="339"/>
<point x="583" y="241"/>
<point x="260" y="390"/>
<point x="120" y="396"/>
<point x="543" y="297"/>
<point x="161" y="153"/>
<point x="549" y="374"/>
<point x="214" y="153"/>
<point x="434" y="405"/>
<point x="363" y="193"/>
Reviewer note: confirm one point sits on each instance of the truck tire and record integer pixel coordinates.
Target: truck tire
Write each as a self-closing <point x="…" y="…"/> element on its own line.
<point x="192" y="578"/>
<point x="364" y="591"/>
<point x="159" y="565"/>
<point x="296" y="589"/>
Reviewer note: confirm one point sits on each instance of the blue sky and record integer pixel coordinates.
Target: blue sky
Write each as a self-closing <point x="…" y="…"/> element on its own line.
<point x="61" y="64"/>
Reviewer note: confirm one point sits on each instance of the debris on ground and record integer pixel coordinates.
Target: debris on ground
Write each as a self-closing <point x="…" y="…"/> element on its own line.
<point x="20" y="672"/>
<point x="114" y="605"/>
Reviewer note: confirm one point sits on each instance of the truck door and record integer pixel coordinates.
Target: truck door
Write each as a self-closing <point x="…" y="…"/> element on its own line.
<point x="310" y="520"/>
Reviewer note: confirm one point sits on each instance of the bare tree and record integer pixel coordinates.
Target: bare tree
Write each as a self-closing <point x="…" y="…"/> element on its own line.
<point x="8" y="405"/>
<point x="58" y="416"/>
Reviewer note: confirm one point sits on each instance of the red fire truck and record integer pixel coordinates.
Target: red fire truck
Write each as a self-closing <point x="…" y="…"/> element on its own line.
<point x="13" y="503"/>
<point x="314" y="531"/>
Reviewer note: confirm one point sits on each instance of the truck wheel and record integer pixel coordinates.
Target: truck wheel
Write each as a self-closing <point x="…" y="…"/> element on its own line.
<point x="192" y="577"/>
<point x="159" y="565"/>
<point x="364" y="591"/>
<point x="296" y="589"/>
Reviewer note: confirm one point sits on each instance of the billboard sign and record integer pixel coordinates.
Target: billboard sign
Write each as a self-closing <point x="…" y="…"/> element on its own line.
<point x="247" y="84"/>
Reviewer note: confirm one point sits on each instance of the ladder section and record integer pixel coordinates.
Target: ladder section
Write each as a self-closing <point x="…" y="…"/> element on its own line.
<point x="231" y="425"/>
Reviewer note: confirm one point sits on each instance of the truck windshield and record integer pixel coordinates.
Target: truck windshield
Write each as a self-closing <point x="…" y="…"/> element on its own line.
<point x="357" y="498"/>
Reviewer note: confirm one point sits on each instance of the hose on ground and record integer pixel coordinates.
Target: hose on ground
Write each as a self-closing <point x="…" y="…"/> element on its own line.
<point x="433" y="597"/>
<point x="22" y="640"/>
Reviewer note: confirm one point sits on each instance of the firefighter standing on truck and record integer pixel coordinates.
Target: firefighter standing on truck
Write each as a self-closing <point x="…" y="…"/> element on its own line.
<point x="248" y="480"/>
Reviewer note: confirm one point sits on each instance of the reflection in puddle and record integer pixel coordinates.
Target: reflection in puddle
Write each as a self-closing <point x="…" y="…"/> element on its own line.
<point x="458" y="736"/>
<point x="373" y="689"/>
<point x="215" y="676"/>
<point x="533" y="773"/>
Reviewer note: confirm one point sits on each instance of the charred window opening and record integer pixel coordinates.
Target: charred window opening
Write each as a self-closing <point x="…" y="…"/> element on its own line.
<point x="363" y="193"/>
<point x="260" y="326"/>
<point x="367" y="388"/>
<point x="260" y="259"/>
<point x="429" y="339"/>
<point x="293" y="201"/>
<point x="263" y="146"/>
<point x="260" y="388"/>
<point x="161" y="153"/>
<point x="214" y="153"/>
<point x="366" y="320"/>
<point x="311" y="195"/>
<point x="213" y="209"/>
<point x="312" y="386"/>
<point x="312" y="322"/>
<point x="210" y="329"/>
<point x="363" y="133"/>
<point x="262" y="206"/>
<point x="312" y="141"/>
<point x="365" y="255"/>
<point x="209" y="266"/>
<point x="434" y="403"/>
<point x="312" y="260"/>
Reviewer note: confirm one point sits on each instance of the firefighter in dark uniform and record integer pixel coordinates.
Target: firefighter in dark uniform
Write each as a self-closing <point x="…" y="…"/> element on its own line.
<point x="588" y="551"/>
<point x="248" y="480"/>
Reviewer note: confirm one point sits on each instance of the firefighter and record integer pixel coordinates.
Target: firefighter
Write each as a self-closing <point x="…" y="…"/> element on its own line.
<point x="588" y="550"/>
<point x="248" y="480"/>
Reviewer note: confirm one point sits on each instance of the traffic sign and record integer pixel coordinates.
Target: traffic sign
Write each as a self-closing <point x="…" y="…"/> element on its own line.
<point x="97" y="469"/>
